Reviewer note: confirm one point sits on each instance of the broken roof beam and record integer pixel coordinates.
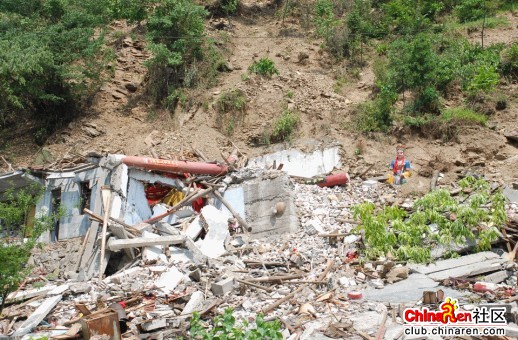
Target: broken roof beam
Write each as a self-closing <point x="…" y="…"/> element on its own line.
<point x="198" y="168"/>
<point x="116" y="245"/>
<point x="37" y="316"/>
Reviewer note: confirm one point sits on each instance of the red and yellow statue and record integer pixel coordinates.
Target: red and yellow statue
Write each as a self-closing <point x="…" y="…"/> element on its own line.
<point x="400" y="167"/>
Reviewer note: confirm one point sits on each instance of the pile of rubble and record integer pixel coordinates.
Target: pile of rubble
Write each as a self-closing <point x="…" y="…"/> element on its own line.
<point x="309" y="276"/>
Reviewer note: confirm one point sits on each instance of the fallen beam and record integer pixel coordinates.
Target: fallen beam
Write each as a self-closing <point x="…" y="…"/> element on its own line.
<point x="116" y="245"/>
<point x="180" y="167"/>
<point x="37" y="316"/>
<point x="241" y="220"/>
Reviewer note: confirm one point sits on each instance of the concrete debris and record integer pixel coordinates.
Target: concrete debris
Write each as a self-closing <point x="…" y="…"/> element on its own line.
<point x="176" y="249"/>
<point x="222" y="287"/>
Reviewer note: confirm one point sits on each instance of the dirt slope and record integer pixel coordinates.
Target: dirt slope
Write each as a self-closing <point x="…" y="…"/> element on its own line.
<point x="118" y="121"/>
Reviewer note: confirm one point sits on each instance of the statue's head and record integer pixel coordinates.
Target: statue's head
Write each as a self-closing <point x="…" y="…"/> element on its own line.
<point x="400" y="151"/>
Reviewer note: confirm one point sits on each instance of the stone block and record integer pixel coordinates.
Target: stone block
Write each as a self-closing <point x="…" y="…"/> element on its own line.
<point x="222" y="287"/>
<point x="154" y="324"/>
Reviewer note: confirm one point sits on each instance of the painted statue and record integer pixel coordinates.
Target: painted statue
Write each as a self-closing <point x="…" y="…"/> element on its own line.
<point x="400" y="167"/>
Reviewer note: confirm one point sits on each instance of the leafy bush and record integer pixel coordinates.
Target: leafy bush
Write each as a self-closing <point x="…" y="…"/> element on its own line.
<point x="484" y="80"/>
<point x="224" y="327"/>
<point x="230" y="107"/>
<point x="334" y="31"/>
<point x="132" y="10"/>
<point x="375" y="115"/>
<point x="175" y="30"/>
<point x="284" y="127"/>
<point x="411" y="236"/>
<point x="52" y="59"/>
<point x="509" y="61"/>
<point x="470" y="10"/>
<point x="265" y="67"/>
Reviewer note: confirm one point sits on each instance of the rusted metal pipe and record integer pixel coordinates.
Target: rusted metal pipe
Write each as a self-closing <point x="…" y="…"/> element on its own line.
<point x="332" y="180"/>
<point x="179" y="167"/>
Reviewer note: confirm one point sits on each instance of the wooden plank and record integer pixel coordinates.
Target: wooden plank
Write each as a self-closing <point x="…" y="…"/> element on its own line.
<point x="83" y="309"/>
<point x="38" y="315"/>
<point x="107" y="201"/>
<point x="121" y="233"/>
<point x="115" y="245"/>
<point x="28" y="294"/>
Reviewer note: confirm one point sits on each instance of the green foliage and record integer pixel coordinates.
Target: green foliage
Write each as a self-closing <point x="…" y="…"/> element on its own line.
<point x="414" y="64"/>
<point x="363" y="22"/>
<point x="51" y="59"/>
<point x="175" y="34"/>
<point x="230" y="107"/>
<point x="509" y="61"/>
<point x="284" y="127"/>
<point x="375" y="115"/>
<point x="333" y="30"/>
<point x="463" y="116"/>
<point x="410" y="237"/>
<point x="15" y="227"/>
<point x="470" y="10"/>
<point x="132" y="10"/>
<point x="224" y="327"/>
<point x="485" y="79"/>
<point x="229" y="6"/>
<point x="264" y="66"/>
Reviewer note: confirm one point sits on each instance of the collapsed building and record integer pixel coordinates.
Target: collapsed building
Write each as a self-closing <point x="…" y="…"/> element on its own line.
<point x="168" y="238"/>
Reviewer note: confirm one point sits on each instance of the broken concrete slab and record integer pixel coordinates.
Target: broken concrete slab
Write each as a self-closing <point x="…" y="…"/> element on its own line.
<point x="161" y="208"/>
<point x="80" y="287"/>
<point x="497" y="277"/>
<point x="197" y="255"/>
<point x="261" y="197"/>
<point x="409" y="290"/>
<point x="153" y="252"/>
<point x="297" y="163"/>
<point x="29" y="294"/>
<point x="213" y="245"/>
<point x="468" y="265"/>
<point x="38" y="315"/>
<point x="511" y="194"/>
<point x="116" y="245"/>
<point x="169" y="280"/>
<point x="194" y="229"/>
<point x="236" y="198"/>
<point x="124" y="276"/>
<point x="58" y="290"/>
<point x="154" y="324"/>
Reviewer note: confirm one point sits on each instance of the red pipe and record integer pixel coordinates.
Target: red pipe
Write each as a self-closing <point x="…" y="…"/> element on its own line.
<point x="333" y="180"/>
<point x="179" y="167"/>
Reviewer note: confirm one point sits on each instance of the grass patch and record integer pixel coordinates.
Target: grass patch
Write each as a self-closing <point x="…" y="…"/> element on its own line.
<point x="283" y="128"/>
<point x="491" y="22"/>
<point x="446" y="125"/>
<point x="230" y="108"/>
<point x="464" y="116"/>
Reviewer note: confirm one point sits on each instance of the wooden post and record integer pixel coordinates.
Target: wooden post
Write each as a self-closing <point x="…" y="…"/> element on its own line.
<point x="106" y="195"/>
<point x="241" y="220"/>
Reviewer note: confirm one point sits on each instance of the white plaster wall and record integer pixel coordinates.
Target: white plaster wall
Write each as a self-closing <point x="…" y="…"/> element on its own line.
<point x="297" y="163"/>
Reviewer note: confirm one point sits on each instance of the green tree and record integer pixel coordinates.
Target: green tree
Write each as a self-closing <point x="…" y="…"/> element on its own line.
<point x="176" y="35"/>
<point x="18" y="236"/>
<point x="51" y="58"/>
